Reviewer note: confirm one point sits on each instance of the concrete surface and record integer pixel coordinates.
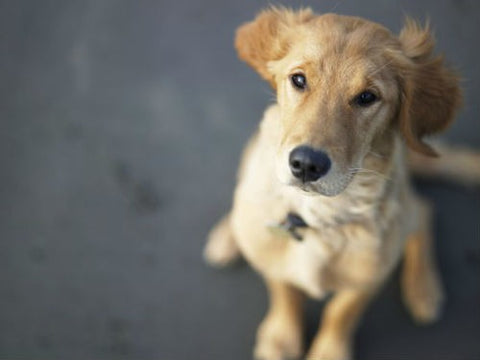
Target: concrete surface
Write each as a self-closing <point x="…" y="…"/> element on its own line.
<point x="121" y="124"/>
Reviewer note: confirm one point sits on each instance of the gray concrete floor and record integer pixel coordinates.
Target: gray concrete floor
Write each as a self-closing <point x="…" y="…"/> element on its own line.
<point x="121" y="123"/>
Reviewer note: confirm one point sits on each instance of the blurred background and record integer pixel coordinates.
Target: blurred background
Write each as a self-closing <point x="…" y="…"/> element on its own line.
<point x="121" y="125"/>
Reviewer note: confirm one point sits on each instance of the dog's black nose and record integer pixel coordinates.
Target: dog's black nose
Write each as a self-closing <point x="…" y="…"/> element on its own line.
<point x="308" y="164"/>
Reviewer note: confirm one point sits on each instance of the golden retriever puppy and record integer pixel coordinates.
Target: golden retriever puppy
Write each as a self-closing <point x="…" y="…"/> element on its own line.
<point x="323" y="202"/>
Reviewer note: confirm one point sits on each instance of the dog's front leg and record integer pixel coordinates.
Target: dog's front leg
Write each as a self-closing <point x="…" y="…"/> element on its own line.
<point x="421" y="283"/>
<point x="340" y="318"/>
<point x="280" y="334"/>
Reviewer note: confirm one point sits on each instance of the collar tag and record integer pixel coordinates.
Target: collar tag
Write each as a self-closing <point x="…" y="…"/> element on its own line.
<point x="289" y="227"/>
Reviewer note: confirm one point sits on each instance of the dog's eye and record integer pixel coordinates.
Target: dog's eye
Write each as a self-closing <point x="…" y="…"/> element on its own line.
<point x="365" y="99"/>
<point x="299" y="81"/>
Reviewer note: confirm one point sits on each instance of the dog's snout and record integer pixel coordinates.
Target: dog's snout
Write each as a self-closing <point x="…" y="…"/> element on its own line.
<point x="308" y="164"/>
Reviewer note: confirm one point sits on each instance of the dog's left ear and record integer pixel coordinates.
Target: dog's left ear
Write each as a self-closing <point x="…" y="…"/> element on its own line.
<point x="430" y="90"/>
<point x="266" y="38"/>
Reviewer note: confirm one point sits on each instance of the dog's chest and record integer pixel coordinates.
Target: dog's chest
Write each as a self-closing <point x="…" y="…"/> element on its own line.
<point x="338" y="226"/>
<point x="304" y="263"/>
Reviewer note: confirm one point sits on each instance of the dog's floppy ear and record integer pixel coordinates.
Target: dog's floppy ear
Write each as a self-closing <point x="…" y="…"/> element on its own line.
<point x="430" y="90"/>
<point x="266" y="38"/>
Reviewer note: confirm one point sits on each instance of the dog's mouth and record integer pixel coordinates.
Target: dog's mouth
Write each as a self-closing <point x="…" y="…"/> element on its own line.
<point x="325" y="187"/>
<point x="310" y="189"/>
<point x="307" y="188"/>
<point x="330" y="182"/>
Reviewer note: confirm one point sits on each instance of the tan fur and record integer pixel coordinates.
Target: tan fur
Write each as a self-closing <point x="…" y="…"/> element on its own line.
<point x="430" y="90"/>
<point x="362" y="212"/>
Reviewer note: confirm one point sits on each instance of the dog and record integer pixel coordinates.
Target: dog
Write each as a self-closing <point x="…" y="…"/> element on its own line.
<point x="323" y="203"/>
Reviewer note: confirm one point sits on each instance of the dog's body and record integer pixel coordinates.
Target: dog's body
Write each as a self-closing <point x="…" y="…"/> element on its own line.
<point x="361" y="213"/>
<point x="353" y="239"/>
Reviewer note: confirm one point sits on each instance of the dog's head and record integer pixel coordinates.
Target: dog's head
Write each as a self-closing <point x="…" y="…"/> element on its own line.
<point x="342" y="83"/>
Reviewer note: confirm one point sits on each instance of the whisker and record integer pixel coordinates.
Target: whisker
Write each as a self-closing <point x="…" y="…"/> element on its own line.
<point x="272" y="95"/>
<point x="376" y="154"/>
<point x="380" y="68"/>
<point x="364" y="171"/>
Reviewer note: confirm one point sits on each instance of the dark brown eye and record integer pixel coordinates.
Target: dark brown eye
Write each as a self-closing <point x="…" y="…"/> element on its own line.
<point x="299" y="81"/>
<point x="365" y="99"/>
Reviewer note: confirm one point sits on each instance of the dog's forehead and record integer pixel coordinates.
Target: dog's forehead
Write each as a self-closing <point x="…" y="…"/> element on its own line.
<point x="336" y="46"/>
<point x="343" y="36"/>
<point x="344" y="27"/>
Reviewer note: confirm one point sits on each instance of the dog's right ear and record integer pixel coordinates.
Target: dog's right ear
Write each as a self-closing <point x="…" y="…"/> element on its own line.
<point x="266" y="38"/>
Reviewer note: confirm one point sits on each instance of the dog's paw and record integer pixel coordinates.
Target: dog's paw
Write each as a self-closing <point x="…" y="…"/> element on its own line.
<point x="221" y="249"/>
<point x="278" y="340"/>
<point x="424" y="297"/>
<point x="329" y="349"/>
<point x="220" y="253"/>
